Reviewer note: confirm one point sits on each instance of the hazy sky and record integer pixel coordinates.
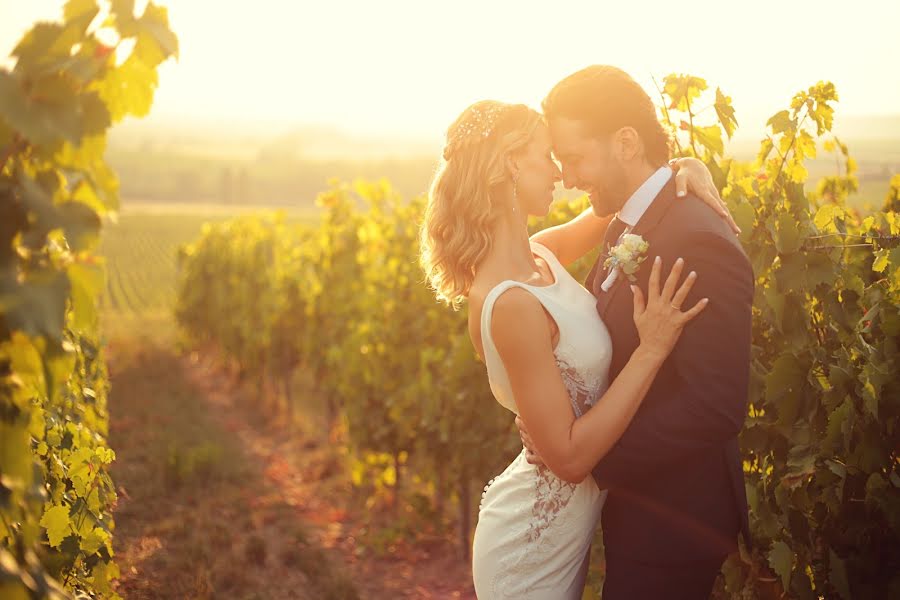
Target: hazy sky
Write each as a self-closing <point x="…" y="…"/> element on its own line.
<point x="412" y="66"/>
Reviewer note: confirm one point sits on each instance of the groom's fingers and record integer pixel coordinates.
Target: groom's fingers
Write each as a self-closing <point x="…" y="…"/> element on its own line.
<point x="523" y="433"/>
<point x="533" y="458"/>
<point x="531" y="454"/>
<point x="521" y="425"/>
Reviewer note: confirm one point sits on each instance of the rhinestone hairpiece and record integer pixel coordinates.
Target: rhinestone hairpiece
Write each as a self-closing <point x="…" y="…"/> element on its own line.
<point x="479" y="121"/>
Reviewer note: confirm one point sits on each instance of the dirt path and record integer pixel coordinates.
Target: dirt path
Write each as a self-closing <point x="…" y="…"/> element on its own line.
<point x="216" y="502"/>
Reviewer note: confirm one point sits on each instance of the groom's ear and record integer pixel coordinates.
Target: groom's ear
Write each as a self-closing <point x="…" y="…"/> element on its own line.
<point x="627" y="144"/>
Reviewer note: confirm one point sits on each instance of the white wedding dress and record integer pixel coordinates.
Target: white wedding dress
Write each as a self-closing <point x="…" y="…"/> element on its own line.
<point x="534" y="529"/>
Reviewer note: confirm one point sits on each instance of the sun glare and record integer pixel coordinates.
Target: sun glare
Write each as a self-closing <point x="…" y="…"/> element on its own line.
<point x="405" y="67"/>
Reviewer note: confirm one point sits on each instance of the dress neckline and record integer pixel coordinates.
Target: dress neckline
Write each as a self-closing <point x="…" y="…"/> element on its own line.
<point x="549" y="261"/>
<point x="549" y="285"/>
<point x="556" y="277"/>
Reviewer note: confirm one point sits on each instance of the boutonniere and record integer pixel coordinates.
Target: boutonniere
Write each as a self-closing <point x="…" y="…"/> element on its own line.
<point x="626" y="257"/>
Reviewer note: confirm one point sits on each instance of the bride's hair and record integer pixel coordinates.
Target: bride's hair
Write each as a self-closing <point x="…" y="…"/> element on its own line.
<point x="464" y="200"/>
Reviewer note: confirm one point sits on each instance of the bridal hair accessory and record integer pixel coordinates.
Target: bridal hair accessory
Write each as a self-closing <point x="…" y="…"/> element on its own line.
<point x="478" y="124"/>
<point x="627" y="257"/>
<point x="479" y="121"/>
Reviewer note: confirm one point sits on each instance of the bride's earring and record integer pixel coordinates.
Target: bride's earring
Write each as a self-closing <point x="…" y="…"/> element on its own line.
<point x="515" y="200"/>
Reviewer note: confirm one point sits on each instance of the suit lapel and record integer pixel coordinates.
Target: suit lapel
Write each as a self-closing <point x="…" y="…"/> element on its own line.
<point x="657" y="210"/>
<point x="613" y="231"/>
<point x="595" y="269"/>
<point x="655" y="213"/>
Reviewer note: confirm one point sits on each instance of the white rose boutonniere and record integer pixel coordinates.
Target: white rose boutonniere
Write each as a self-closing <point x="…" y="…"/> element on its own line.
<point x="626" y="257"/>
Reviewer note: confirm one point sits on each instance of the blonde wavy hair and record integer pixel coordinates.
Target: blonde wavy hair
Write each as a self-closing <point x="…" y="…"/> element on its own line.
<point x="464" y="200"/>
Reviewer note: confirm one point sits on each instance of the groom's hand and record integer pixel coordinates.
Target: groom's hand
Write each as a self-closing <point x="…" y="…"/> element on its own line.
<point x="531" y="454"/>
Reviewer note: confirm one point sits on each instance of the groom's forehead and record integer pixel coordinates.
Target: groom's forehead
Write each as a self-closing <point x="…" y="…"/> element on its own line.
<point x="568" y="134"/>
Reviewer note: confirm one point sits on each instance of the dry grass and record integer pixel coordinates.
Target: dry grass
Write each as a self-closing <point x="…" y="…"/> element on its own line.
<point x="197" y="517"/>
<point x="218" y="501"/>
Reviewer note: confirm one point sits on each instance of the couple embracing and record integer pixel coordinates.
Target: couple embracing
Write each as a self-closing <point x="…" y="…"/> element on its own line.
<point x="629" y="390"/>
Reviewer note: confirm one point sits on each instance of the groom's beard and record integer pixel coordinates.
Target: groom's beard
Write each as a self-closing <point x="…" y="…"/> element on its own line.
<point x="610" y="195"/>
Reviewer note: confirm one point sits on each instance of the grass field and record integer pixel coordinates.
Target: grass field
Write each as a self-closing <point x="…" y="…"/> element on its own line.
<point x="215" y="499"/>
<point x="141" y="252"/>
<point x="141" y="247"/>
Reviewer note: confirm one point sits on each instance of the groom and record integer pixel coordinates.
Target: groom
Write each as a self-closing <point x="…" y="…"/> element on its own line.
<point x="676" y="491"/>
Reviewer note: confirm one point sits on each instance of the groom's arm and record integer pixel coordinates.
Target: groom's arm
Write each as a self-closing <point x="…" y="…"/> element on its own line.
<point x="710" y="365"/>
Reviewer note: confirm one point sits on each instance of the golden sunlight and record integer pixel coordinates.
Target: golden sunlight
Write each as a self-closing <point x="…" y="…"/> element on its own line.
<point x="229" y="236"/>
<point x="406" y="67"/>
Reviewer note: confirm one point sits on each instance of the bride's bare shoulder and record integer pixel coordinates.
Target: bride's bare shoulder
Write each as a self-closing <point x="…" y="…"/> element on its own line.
<point x="475" y="300"/>
<point x="475" y="303"/>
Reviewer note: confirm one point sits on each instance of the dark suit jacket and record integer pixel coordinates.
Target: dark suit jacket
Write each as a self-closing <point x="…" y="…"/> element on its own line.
<point x="675" y="479"/>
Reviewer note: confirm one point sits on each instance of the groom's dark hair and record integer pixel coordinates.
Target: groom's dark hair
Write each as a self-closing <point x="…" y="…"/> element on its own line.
<point x="606" y="99"/>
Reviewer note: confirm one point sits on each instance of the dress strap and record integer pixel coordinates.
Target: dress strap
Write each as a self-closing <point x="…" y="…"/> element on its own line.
<point x="497" y="376"/>
<point x="553" y="262"/>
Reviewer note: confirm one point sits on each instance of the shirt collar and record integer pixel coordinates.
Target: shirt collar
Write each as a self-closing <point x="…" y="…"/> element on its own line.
<point x="643" y="197"/>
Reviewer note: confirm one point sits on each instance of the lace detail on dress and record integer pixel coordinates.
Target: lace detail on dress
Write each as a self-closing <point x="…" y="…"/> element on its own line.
<point x="534" y="528"/>
<point x="582" y="394"/>
<point x="551" y="495"/>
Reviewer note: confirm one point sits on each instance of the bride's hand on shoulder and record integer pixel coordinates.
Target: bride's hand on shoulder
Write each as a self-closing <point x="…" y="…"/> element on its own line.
<point x="691" y="173"/>
<point x="659" y="319"/>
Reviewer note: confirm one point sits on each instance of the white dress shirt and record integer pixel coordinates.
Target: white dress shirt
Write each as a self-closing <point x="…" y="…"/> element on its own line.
<point x="635" y="207"/>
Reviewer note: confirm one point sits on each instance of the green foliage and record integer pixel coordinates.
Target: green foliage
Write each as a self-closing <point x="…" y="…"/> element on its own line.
<point x="346" y="301"/>
<point x="819" y="444"/>
<point x="892" y="200"/>
<point x="56" y="104"/>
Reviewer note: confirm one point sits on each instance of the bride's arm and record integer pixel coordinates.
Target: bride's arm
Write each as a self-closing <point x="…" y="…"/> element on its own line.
<point x="572" y="240"/>
<point x="571" y="447"/>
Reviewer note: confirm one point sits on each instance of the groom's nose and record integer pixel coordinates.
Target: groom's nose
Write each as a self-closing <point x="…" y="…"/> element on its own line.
<point x="569" y="180"/>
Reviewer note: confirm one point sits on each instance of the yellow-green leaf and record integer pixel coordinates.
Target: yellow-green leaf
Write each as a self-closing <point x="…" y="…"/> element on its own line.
<point x="781" y="559"/>
<point x="881" y="261"/>
<point x="57" y="523"/>
<point x="780" y="122"/>
<point x="93" y="541"/>
<point x="87" y="283"/>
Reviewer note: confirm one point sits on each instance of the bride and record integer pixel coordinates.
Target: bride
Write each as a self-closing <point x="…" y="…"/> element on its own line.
<point x="546" y="349"/>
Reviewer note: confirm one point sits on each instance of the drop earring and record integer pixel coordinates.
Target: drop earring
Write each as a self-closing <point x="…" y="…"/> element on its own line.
<point x="515" y="199"/>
